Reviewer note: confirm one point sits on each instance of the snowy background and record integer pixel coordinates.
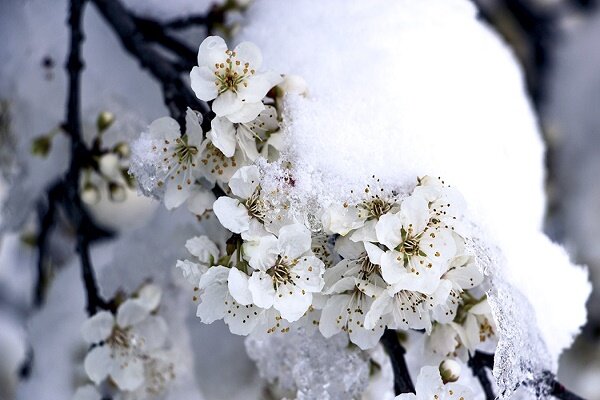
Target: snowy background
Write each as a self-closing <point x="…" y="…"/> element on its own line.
<point x="557" y="43"/>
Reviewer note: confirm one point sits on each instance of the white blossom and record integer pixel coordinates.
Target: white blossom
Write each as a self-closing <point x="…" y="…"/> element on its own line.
<point x="232" y="79"/>
<point x="207" y="254"/>
<point x="286" y="271"/>
<point x="123" y="343"/>
<point x="429" y="386"/>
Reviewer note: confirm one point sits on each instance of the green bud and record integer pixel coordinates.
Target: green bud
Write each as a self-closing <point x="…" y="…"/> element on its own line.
<point x="116" y="192"/>
<point x="90" y="194"/>
<point x="104" y="121"/>
<point x="122" y="150"/>
<point x="41" y="145"/>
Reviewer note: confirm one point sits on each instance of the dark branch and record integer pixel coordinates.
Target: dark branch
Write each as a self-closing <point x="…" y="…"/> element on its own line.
<point x="46" y="215"/>
<point x="478" y="364"/>
<point x="210" y="20"/>
<point x="560" y="392"/>
<point x="177" y="94"/>
<point x="392" y="345"/>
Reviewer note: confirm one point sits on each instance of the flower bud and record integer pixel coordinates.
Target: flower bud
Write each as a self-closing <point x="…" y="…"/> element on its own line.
<point x="104" y="121"/>
<point x="41" y="145"/>
<point x="116" y="192"/>
<point x="109" y="165"/>
<point x="293" y="84"/>
<point x="449" y="371"/>
<point x="90" y="194"/>
<point x="122" y="149"/>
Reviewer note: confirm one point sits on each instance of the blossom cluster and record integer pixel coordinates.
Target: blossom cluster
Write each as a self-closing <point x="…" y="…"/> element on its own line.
<point x="387" y="259"/>
<point x="129" y="356"/>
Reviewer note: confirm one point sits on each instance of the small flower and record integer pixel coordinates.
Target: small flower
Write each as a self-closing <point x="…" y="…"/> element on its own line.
<point x="123" y="343"/>
<point x="232" y="79"/>
<point x="244" y="215"/>
<point x="286" y="271"/>
<point x="163" y="161"/>
<point x="430" y="386"/>
<point x="207" y="254"/>
<point x="227" y="136"/>
<point x="418" y="250"/>
<point x="352" y="284"/>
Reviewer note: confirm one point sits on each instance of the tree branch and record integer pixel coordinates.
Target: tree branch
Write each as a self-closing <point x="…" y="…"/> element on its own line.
<point x="478" y="363"/>
<point x="392" y="345"/>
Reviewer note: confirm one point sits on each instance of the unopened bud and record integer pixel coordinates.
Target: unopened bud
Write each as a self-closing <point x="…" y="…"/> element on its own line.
<point x="41" y="145"/>
<point x="294" y="84"/>
<point x="122" y="149"/>
<point x="90" y="194"/>
<point x="104" y="121"/>
<point x="109" y="165"/>
<point x="449" y="371"/>
<point x="116" y="192"/>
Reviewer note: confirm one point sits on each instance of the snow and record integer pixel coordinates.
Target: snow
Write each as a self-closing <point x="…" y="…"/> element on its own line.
<point x="404" y="89"/>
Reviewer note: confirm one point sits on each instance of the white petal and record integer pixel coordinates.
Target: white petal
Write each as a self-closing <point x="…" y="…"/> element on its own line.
<point x="237" y="284"/>
<point x="214" y="293"/>
<point x="127" y="372"/>
<point x="429" y="382"/>
<point x="248" y="112"/>
<point x="212" y="51"/>
<point x="392" y="269"/>
<point x="245" y="181"/>
<point x="374" y="253"/>
<point x="247" y="143"/>
<point x="131" y="312"/>
<point x="152" y="332"/>
<point x="262" y="253"/>
<point x="232" y="214"/>
<point x="292" y="302"/>
<point x="379" y="307"/>
<point x="242" y="320"/>
<point x="98" y="363"/>
<point x="388" y="230"/>
<point x="294" y="240"/>
<point x="348" y="249"/>
<point x="149" y="296"/>
<point x="203" y="248"/>
<point x="223" y="135"/>
<point x="87" y="392"/>
<point x="176" y="194"/>
<point x="308" y="273"/>
<point x="260" y="285"/>
<point x="203" y="83"/>
<point x="439" y="245"/>
<point x="193" y="128"/>
<point x="227" y="103"/>
<point x="340" y="219"/>
<point x="414" y="213"/>
<point x="366" y="233"/>
<point x="164" y="128"/>
<point x="464" y="273"/>
<point x="200" y="201"/>
<point x="334" y="315"/>
<point x="191" y="271"/>
<point x="248" y="52"/>
<point x="98" y="327"/>
<point x="258" y="86"/>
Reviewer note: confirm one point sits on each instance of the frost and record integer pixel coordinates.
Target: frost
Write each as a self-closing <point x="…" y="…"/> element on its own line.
<point x="308" y="366"/>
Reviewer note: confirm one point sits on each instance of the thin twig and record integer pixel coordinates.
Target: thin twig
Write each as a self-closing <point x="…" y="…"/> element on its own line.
<point x="395" y="350"/>
<point x="478" y="364"/>
<point x="46" y="215"/>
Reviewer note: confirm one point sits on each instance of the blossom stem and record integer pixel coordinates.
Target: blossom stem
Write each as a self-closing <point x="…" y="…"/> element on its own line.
<point x="395" y="350"/>
<point x="478" y="364"/>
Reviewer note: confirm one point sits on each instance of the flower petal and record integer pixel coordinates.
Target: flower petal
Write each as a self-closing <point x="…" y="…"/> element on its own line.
<point x="237" y="284"/>
<point x="131" y="312"/>
<point x="149" y="296"/>
<point x="200" y="201"/>
<point x="261" y="253"/>
<point x="260" y="285"/>
<point x="292" y="301"/>
<point x="245" y="181"/>
<point x="98" y="327"/>
<point x="212" y="51"/>
<point x="176" y="194"/>
<point x="388" y="230"/>
<point x="203" y="248"/>
<point x="191" y="271"/>
<point x="248" y="52"/>
<point x="98" y="363"/>
<point x="152" y="332"/>
<point x="226" y="103"/>
<point x="248" y="112"/>
<point x="294" y="240"/>
<point x="223" y="135"/>
<point x="232" y="214"/>
<point x="203" y="83"/>
<point x="214" y="293"/>
<point x="127" y="372"/>
<point x="308" y="273"/>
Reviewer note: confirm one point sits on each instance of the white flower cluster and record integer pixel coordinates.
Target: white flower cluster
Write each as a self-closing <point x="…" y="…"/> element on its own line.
<point x="128" y="357"/>
<point x="387" y="260"/>
<point x="182" y="168"/>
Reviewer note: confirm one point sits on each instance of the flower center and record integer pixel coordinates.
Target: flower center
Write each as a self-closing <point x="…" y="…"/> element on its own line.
<point x="231" y="74"/>
<point x="255" y="205"/>
<point x="280" y="273"/>
<point x="119" y="338"/>
<point x="217" y="160"/>
<point x="376" y="207"/>
<point x="179" y="159"/>
<point x="367" y="268"/>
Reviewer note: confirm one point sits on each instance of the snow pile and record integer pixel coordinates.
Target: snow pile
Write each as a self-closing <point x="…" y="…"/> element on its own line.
<point x="400" y="89"/>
